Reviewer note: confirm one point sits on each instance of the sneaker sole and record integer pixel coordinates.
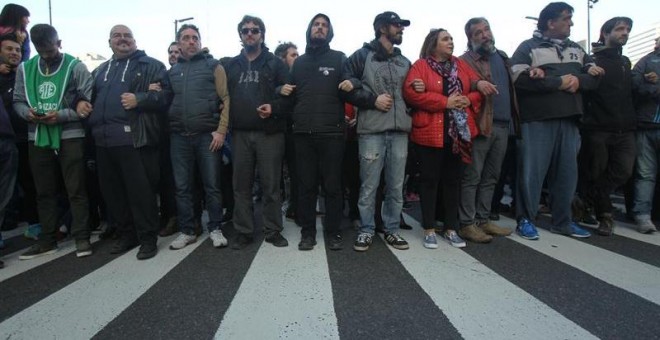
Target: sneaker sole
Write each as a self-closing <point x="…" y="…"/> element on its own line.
<point x="531" y="238"/>
<point x="458" y="245"/>
<point x="400" y="247"/>
<point x="83" y="253"/>
<point x="30" y="257"/>
<point x="431" y="245"/>
<point x="580" y="236"/>
<point x="360" y="249"/>
<point x="221" y="245"/>
<point x="175" y="248"/>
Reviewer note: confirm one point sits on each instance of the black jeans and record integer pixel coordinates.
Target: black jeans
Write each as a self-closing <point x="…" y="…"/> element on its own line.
<point x="441" y="172"/>
<point x="606" y="162"/>
<point x="129" y="182"/>
<point x="319" y="156"/>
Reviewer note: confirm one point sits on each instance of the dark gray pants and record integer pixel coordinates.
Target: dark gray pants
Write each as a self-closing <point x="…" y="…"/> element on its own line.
<point x="481" y="176"/>
<point x="47" y="167"/>
<point x="252" y="149"/>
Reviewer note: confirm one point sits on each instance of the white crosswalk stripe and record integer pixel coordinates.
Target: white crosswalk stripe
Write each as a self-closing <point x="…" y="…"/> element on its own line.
<point x="278" y="280"/>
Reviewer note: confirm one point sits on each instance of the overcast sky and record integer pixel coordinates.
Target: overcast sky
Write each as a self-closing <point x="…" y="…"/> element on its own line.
<point x="84" y="25"/>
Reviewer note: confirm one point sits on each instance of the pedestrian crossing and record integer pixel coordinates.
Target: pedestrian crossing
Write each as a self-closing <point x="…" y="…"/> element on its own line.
<point x="554" y="288"/>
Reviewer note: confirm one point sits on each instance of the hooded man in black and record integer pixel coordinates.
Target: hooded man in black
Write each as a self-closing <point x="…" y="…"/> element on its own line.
<point x="318" y="125"/>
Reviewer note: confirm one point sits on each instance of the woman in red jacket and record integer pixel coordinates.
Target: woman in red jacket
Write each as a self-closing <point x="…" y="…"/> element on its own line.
<point x="442" y="129"/>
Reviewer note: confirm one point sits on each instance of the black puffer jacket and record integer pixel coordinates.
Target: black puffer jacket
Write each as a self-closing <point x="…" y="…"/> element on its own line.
<point x="144" y="120"/>
<point x="319" y="104"/>
<point x="195" y="104"/>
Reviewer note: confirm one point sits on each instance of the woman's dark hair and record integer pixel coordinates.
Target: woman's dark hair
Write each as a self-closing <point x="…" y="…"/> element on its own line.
<point x="430" y="42"/>
<point x="12" y="15"/>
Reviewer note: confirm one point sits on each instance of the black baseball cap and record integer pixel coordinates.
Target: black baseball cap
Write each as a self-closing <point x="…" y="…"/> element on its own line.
<point x="389" y="18"/>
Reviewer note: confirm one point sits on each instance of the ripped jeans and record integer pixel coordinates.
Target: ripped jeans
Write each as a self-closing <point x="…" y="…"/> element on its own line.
<point x="382" y="151"/>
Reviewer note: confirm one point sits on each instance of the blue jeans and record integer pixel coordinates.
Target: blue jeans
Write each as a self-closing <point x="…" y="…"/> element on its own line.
<point x="387" y="150"/>
<point x="548" y="148"/>
<point x="186" y="152"/>
<point x="646" y="168"/>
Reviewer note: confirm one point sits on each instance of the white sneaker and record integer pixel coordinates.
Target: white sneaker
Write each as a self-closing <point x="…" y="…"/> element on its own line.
<point x="644" y="224"/>
<point x="182" y="240"/>
<point x="218" y="239"/>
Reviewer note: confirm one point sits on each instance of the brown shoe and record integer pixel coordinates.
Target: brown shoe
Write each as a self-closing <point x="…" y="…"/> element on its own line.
<point x="170" y="228"/>
<point x="474" y="234"/>
<point x="493" y="229"/>
<point x="605" y="225"/>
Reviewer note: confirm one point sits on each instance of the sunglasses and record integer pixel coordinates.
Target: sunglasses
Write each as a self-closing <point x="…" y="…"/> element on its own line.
<point x="254" y="31"/>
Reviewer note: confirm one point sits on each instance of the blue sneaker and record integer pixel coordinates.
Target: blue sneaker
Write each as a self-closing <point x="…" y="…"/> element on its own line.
<point x="430" y="241"/>
<point x="578" y="232"/>
<point x="527" y="230"/>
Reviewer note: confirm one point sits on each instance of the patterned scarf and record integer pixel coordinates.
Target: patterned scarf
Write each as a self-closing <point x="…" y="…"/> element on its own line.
<point x="459" y="132"/>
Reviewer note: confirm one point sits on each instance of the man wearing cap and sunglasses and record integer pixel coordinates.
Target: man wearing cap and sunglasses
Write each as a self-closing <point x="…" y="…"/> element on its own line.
<point x="375" y="74"/>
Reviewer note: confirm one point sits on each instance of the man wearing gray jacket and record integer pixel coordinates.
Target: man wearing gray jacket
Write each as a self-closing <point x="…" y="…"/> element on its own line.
<point x="375" y="74"/>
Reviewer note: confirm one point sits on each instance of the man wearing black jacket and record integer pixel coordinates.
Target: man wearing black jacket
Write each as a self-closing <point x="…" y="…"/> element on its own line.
<point x="318" y="125"/>
<point x="125" y="127"/>
<point x="258" y="126"/>
<point x="608" y="148"/>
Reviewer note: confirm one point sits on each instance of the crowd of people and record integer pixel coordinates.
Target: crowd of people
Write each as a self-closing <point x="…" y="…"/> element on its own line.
<point x="146" y="147"/>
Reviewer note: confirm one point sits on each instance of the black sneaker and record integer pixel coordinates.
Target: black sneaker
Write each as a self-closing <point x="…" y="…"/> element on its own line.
<point x="306" y="243"/>
<point x="362" y="242"/>
<point x="83" y="248"/>
<point x="335" y="242"/>
<point x="396" y="241"/>
<point x="277" y="240"/>
<point x="123" y="245"/>
<point x="147" y="251"/>
<point x="2" y="264"/>
<point x="36" y="251"/>
<point x="241" y="241"/>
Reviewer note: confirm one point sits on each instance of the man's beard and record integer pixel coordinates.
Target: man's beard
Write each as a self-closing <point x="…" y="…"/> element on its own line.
<point x="250" y="48"/>
<point x="485" y="48"/>
<point x="395" y="39"/>
<point x="317" y="41"/>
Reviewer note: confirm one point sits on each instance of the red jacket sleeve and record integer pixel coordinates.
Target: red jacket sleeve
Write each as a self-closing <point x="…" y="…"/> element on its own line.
<point x="431" y="100"/>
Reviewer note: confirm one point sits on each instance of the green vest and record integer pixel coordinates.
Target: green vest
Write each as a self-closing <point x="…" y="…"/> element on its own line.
<point x="44" y="94"/>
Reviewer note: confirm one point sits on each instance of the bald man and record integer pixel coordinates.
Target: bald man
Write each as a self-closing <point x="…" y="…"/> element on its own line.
<point x="125" y="128"/>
